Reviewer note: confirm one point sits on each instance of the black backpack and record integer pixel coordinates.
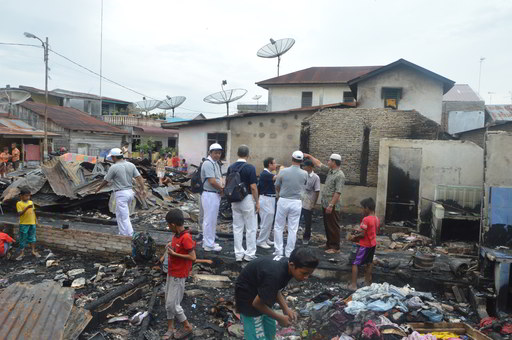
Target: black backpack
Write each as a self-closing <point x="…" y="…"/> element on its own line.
<point x="235" y="190"/>
<point x="143" y="246"/>
<point x="196" y="184"/>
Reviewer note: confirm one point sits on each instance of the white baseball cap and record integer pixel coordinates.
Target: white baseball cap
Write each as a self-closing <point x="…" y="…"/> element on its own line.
<point x="215" y="146"/>
<point x="298" y="155"/>
<point x="336" y="157"/>
<point x="115" y="152"/>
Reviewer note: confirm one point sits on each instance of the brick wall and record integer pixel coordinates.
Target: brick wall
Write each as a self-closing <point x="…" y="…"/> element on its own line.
<point x="477" y="136"/>
<point x="82" y="241"/>
<point x="341" y="131"/>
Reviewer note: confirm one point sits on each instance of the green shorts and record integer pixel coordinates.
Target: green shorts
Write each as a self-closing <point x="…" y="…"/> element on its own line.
<point x="27" y="234"/>
<point x="261" y="327"/>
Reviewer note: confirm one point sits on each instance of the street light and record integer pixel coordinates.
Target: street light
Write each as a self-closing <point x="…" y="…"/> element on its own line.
<point x="45" y="47"/>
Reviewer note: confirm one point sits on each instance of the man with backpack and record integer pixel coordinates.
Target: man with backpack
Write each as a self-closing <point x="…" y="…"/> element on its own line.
<point x="210" y="197"/>
<point x="290" y="184"/>
<point x="242" y="192"/>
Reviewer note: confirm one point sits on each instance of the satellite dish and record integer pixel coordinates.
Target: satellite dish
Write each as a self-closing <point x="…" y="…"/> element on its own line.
<point x="257" y="99"/>
<point x="148" y="105"/>
<point x="12" y="97"/>
<point x="171" y="103"/>
<point x="276" y="49"/>
<point x="225" y="97"/>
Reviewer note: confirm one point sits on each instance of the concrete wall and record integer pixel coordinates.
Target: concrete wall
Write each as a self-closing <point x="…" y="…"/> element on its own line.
<point x="341" y="131"/>
<point x="449" y="106"/>
<point x="275" y="135"/>
<point x="419" y="92"/>
<point x="290" y="97"/>
<point x="192" y="141"/>
<point x="351" y="197"/>
<point x="443" y="162"/>
<point x="477" y="136"/>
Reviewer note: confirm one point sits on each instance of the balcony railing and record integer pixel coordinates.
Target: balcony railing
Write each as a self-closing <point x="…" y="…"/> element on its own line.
<point x="132" y="121"/>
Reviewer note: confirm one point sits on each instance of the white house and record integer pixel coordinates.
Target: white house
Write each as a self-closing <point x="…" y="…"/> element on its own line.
<point x="400" y="85"/>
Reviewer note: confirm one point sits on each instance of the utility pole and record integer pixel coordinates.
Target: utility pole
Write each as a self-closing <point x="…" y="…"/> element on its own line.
<point x="490" y="97"/>
<point x="480" y="73"/>
<point x="101" y="59"/>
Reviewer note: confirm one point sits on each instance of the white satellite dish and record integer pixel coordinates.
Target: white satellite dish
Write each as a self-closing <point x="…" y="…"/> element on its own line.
<point x="276" y="48"/>
<point x="171" y="103"/>
<point x="148" y="105"/>
<point x="257" y="99"/>
<point x="12" y="97"/>
<point x="225" y="97"/>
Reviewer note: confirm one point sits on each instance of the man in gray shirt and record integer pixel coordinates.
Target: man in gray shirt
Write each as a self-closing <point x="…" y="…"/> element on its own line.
<point x="120" y="175"/>
<point x="290" y="184"/>
<point x="210" y="197"/>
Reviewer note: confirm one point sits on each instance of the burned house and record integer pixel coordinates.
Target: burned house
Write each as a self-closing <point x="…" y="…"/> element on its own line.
<point x="77" y="131"/>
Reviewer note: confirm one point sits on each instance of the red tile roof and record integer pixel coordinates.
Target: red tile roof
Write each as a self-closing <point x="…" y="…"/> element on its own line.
<point x="72" y="119"/>
<point x="153" y="130"/>
<point x="319" y="75"/>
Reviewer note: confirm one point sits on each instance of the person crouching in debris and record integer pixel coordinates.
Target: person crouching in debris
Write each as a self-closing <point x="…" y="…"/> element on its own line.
<point x="367" y="237"/>
<point x="160" y="169"/>
<point x="182" y="255"/>
<point x="5" y="244"/>
<point x="121" y="175"/>
<point x="28" y="222"/>
<point x="259" y="286"/>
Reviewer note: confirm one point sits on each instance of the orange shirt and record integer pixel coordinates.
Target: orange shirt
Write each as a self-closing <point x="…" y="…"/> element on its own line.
<point x="15" y="155"/>
<point x="4" y="157"/>
<point x="169" y="162"/>
<point x="4" y="238"/>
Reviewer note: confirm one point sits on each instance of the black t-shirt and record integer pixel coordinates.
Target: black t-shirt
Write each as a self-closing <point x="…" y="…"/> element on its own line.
<point x="247" y="174"/>
<point x="266" y="183"/>
<point x="264" y="277"/>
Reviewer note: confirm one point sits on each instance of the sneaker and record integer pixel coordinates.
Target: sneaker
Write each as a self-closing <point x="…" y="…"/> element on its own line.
<point x="264" y="245"/>
<point x="270" y="243"/>
<point x="249" y="258"/>
<point x="214" y="248"/>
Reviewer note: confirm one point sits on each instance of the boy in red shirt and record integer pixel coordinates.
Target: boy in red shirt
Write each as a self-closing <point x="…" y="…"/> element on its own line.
<point x="182" y="255"/>
<point x="367" y="237"/>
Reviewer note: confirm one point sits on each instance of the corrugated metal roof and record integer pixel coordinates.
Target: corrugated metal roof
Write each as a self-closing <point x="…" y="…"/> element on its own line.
<point x="461" y="93"/>
<point x="499" y="113"/>
<point x="35" y="311"/>
<point x="73" y="119"/>
<point x="151" y="130"/>
<point x="16" y="127"/>
<point x="61" y="178"/>
<point x="319" y="75"/>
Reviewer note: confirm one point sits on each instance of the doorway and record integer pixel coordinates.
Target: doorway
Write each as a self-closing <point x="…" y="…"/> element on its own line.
<point x="404" y="171"/>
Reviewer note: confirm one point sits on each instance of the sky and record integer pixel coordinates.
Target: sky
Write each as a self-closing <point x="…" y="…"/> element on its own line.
<point x="186" y="48"/>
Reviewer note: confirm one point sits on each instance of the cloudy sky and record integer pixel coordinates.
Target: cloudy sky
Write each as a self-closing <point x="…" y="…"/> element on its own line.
<point x="164" y="47"/>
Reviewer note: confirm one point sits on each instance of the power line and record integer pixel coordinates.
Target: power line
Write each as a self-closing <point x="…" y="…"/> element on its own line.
<point x="16" y="44"/>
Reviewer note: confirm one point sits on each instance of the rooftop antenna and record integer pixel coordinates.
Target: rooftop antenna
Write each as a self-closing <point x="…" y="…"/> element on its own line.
<point x="12" y="97"/>
<point x="276" y="48"/>
<point x="257" y="99"/>
<point x="147" y="105"/>
<point x="171" y="103"/>
<point x="225" y="96"/>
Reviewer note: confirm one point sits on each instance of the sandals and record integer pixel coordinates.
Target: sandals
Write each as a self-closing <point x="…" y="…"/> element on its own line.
<point x="168" y="335"/>
<point x="332" y="251"/>
<point x="182" y="333"/>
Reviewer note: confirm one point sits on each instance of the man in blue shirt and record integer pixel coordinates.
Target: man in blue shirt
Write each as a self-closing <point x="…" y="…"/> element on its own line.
<point x="267" y="200"/>
<point x="244" y="212"/>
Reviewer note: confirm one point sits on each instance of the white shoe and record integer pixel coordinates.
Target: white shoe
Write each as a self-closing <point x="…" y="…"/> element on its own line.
<point x="214" y="248"/>
<point x="270" y="243"/>
<point x="239" y="259"/>
<point x="277" y="253"/>
<point x="264" y="246"/>
<point x="249" y="258"/>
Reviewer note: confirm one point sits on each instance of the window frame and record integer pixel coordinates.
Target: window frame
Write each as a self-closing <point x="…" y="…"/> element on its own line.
<point x="302" y="100"/>
<point x="386" y="93"/>
<point x="213" y="137"/>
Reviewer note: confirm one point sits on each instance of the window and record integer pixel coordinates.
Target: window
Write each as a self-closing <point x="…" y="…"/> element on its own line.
<point x="391" y="96"/>
<point x="307" y="99"/>
<point x="171" y="142"/>
<point x="220" y="138"/>
<point x="348" y="97"/>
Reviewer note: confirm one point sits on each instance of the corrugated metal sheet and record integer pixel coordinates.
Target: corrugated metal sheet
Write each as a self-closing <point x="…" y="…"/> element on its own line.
<point x="20" y="128"/>
<point x="460" y="121"/>
<point x="35" y="311"/>
<point x="461" y="93"/>
<point x="499" y="113"/>
<point x="320" y="75"/>
<point x="61" y="178"/>
<point x="72" y="119"/>
<point x="157" y="131"/>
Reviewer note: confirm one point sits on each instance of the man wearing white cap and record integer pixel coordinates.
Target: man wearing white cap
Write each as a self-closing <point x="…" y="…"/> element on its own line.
<point x="121" y="174"/>
<point x="331" y="202"/>
<point x="210" y="198"/>
<point x="290" y="184"/>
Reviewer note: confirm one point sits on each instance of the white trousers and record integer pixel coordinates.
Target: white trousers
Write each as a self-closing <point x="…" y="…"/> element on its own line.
<point x="123" y="200"/>
<point x="244" y="215"/>
<point x="267" y="211"/>
<point x="291" y="209"/>
<point x="210" y="202"/>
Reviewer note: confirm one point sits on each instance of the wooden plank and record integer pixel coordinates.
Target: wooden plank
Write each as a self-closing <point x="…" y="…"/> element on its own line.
<point x="459" y="296"/>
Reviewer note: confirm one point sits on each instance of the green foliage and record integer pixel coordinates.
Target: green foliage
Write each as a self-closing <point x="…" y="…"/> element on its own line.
<point x="146" y="147"/>
<point x="167" y="150"/>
